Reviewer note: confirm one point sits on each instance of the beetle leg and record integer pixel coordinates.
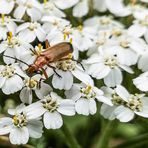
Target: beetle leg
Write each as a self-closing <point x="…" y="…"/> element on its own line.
<point x="44" y="72"/>
<point x="79" y="63"/>
<point x="54" y="69"/>
<point x="47" y="45"/>
<point x="39" y="83"/>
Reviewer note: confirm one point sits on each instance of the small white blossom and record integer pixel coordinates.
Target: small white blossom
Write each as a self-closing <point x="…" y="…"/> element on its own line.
<point x="6" y="6"/>
<point x="67" y="70"/>
<point x="125" y="105"/>
<point x="20" y="127"/>
<point x="36" y="84"/>
<point x="31" y="7"/>
<point x="10" y="78"/>
<point x="29" y="31"/>
<point x="84" y="96"/>
<point x="51" y="107"/>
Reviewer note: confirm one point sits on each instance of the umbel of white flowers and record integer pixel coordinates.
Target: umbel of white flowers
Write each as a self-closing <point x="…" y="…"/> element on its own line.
<point x="106" y="48"/>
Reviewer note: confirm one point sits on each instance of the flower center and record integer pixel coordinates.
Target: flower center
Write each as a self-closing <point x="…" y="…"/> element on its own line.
<point x="116" y="32"/>
<point x="31" y="83"/>
<point x="13" y="41"/>
<point x="8" y="71"/>
<point x="50" y="104"/>
<point x="124" y="44"/>
<point x="134" y="103"/>
<point x="87" y="92"/>
<point x="33" y="26"/>
<point x="28" y="5"/>
<point x="105" y="21"/>
<point x="144" y="22"/>
<point x="19" y="120"/>
<point x="117" y="100"/>
<point x="111" y="61"/>
<point x="48" y="6"/>
<point x="66" y="65"/>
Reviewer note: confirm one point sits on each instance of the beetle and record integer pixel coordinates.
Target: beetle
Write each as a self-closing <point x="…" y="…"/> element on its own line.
<point x="51" y="54"/>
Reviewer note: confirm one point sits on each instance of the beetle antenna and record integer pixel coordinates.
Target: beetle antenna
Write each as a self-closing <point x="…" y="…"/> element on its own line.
<point x="16" y="59"/>
<point x="79" y="63"/>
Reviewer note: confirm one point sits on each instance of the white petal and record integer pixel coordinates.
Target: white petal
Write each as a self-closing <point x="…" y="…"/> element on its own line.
<point x="81" y="9"/>
<point x="82" y="76"/>
<point x="82" y="106"/>
<point x="2" y="81"/>
<point x="27" y="35"/>
<point x="40" y="34"/>
<point x="12" y="85"/>
<point x="52" y="120"/>
<point x="117" y="7"/>
<point x="3" y="47"/>
<point x="35" y="128"/>
<point x="43" y="91"/>
<point x="63" y="82"/>
<point x="73" y="93"/>
<point x="113" y="78"/>
<point x="107" y="111"/>
<point x="34" y="13"/>
<point x="64" y="5"/>
<point x="124" y="114"/>
<point x="26" y="95"/>
<point x="6" y="6"/>
<point x="122" y="92"/>
<point x="133" y="30"/>
<point x="67" y="107"/>
<point x="19" y="12"/>
<point x="19" y="135"/>
<point x="5" y="125"/>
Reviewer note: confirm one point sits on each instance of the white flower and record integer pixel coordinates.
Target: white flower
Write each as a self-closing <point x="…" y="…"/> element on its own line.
<point x="6" y="25"/>
<point x="118" y="8"/>
<point x="142" y="63"/>
<point x="51" y="23"/>
<point x="67" y="70"/>
<point x="100" y="5"/>
<point x="31" y="7"/>
<point x="81" y="8"/>
<point x="14" y="47"/>
<point x="36" y="84"/>
<point x="6" y="6"/>
<point x="62" y="4"/>
<point x="10" y="78"/>
<point x="102" y="23"/>
<point x="107" y="65"/>
<point x="51" y="107"/>
<point x="125" y="105"/>
<point x="142" y="26"/>
<point x="84" y="96"/>
<point x="50" y="9"/>
<point x="20" y="127"/>
<point x="141" y="82"/>
<point x="30" y="31"/>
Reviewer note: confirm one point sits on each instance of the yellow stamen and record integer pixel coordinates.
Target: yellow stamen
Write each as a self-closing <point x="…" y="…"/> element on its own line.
<point x="80" y="27"/>
<point x="70" y="40"/>
<point x="88" y="88"/>
<point x="40" y="46"/>
<point x="70" y="56"/>
<point x="45" y="1"/>
<point x="9" y="37"/>
<point x="65" y="36"/>
<point x="3" y="18"/>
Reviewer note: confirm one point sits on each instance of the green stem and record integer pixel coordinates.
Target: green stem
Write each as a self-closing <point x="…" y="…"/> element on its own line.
<point x="72" y="142"/>
<point x="106" y="133"/>
<point x="134" y="142"/>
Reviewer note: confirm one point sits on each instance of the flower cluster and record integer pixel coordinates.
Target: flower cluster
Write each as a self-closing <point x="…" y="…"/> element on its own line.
<point x="109" y="58"/>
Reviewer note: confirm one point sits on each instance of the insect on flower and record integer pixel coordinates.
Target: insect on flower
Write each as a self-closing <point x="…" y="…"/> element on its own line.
<point x="55" y="53"/>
